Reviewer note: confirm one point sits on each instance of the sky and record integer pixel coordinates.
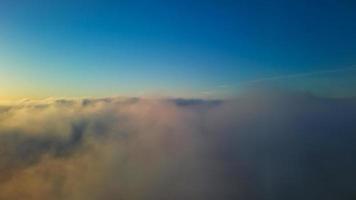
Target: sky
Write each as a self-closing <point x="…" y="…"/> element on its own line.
<point x="205" y="49"/>
<point x="185" y="99"/>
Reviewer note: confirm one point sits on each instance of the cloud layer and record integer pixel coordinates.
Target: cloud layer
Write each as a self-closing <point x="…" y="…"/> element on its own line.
<point x="262" y="145"/>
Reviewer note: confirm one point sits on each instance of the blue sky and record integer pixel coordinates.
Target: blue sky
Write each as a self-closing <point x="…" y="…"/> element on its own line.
<point x="175" y="48"/>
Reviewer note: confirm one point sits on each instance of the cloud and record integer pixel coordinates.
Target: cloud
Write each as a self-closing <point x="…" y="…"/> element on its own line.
<point x="264" y="144"/>
<point x="301" y="75"/>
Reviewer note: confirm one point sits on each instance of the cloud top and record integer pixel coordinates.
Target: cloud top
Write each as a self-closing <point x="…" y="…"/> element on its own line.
<point x="261" y="145"/>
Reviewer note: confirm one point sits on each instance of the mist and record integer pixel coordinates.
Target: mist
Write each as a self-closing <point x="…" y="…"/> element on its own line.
<point x="262" y="144"/>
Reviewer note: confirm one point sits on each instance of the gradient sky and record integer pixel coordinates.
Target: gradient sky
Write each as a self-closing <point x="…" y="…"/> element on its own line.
<point x="175" y="48"/>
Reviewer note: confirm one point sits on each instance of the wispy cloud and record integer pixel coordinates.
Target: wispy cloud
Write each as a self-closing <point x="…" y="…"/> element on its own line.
<point x="298" y="75"/>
